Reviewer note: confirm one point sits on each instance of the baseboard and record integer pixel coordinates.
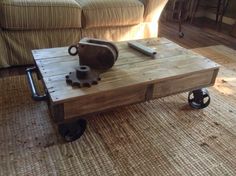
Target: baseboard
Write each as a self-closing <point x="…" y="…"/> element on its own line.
<point x="212" y="16"/>
<point x="226" y="20"/>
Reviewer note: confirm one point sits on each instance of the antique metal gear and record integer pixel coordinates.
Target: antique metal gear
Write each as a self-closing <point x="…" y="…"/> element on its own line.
<point x="83" y="76"/>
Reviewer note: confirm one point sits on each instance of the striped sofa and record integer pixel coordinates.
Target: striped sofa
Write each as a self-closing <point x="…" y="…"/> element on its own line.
<point x="33" y="24"/>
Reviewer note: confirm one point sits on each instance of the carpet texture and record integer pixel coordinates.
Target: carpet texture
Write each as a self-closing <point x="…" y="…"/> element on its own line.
<point x="160" y="137"/>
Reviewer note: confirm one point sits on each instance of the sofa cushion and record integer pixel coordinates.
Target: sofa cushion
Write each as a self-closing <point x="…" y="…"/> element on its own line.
<point x="39" y="14"/>
<point x="103" y="13"/>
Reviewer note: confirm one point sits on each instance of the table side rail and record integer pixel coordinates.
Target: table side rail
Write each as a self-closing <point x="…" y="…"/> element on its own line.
<point x="116" y="98"/>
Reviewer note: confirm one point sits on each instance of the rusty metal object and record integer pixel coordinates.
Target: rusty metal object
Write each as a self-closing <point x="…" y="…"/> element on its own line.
<point x="83" y="76"/>
<point x="142" y="48"/>
<point x="97" y="54"/>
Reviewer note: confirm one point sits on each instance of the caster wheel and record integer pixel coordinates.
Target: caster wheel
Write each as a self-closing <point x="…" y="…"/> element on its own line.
<point x="181" y="34"/>
<point x="199" y="99"/>
<point x="72" y="130"/>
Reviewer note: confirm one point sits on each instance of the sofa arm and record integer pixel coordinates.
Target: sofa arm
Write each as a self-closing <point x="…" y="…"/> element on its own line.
<point x="153" y="9"/>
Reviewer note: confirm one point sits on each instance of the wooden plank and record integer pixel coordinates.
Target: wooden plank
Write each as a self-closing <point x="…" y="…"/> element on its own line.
<point x="53" y="61"/>
<point x="152" y="43"/>
<point x="59" y="68"/>
<point x="49" y="53"/>
<point x="213" y="80"/>
<point x="184" y="83"/>
<point x="103" y="101"/>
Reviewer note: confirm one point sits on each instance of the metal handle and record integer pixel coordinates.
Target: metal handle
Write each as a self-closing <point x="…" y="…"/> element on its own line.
<point x="34" y="92"/>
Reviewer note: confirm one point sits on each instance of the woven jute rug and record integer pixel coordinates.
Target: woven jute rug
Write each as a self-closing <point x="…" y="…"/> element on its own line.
<point x="160" y="137"/>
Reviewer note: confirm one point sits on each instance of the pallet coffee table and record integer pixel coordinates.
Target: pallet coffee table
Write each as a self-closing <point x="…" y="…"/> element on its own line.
<point x="134" y="78"/>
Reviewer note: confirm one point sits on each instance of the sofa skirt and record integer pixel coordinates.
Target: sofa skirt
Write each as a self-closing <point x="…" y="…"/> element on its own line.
<point x="16" y="46"/>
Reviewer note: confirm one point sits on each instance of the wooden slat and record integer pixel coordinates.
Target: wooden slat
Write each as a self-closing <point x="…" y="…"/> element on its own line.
<point x="183" y="84"/>
<point x="49" y="53"/>
<point x="103" y="101"/>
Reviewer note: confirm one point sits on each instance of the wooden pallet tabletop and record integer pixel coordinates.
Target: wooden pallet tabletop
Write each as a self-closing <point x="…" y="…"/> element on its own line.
<point x="131" y="69"/>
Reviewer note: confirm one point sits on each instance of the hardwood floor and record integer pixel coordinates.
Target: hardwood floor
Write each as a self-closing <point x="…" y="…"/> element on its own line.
<point x="196" y="37"/>
<point x="200" y="34"/>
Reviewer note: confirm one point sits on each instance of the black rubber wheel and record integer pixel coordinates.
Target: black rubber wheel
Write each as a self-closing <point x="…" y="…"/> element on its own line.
<point x="199" y="99"/>
<point x="181" y="34"/>
<point x="73" y="130"/>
